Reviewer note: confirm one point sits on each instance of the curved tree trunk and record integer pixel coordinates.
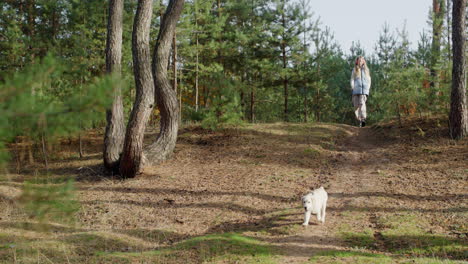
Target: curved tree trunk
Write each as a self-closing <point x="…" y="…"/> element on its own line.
<point x="166" y="97"/>
<point x="458" y="109"/>
<point x="132" y="155"/>
<point x="115" y="129"/>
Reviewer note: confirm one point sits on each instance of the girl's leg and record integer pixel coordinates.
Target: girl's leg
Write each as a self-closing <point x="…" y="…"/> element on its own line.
<point x="363" y="108"/>
<point x="356" y="104"/>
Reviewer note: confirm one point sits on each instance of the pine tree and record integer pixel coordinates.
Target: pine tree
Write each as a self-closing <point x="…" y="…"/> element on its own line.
<point x="115" y="129"/>
<point x="423" y="52"/>
<point x="165" y="95"/>
<point x="437" y="19"/>
<point x="458" y="108"/>
<point x="132" y="155"/>
<point x="286" y="31"/>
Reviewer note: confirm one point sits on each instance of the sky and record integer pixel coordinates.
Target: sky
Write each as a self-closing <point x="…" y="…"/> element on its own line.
<point x="362" y="20"/>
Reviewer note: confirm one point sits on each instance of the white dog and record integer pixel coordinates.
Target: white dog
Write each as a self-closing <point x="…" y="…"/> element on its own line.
<point x="315" y="202"/>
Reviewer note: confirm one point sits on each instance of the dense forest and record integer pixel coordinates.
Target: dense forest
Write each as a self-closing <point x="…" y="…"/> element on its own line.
<point x="230" y="62"/>
<point x="257" y="61"/>
<point x="69" y="68"/>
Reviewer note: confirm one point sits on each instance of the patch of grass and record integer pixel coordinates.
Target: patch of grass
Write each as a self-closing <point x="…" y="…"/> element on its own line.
<point x="48" y="179"/>
<point x="353" y="236"/>
<point x="230" y="247"/>
<point x="426" y="245"/>
<point x="360" y="239"/>
<point x="29" y="243"/>
<point x="50" y="201"/>
<point x="18" y="249"/>
<point x="357" y="257"/>
<point x="431" y="151"/>
<point x="311" y="152"/>
<point x="405" y="234"/>
<point x="285" y="229"/>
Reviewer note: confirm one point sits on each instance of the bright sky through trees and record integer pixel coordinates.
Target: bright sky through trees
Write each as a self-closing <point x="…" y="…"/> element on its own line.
<point x="363" y="19"/>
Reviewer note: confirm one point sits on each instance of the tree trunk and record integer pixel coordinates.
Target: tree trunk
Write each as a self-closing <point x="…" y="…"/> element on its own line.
<point x="305" y="104"/>
<point x="437" y="26"/>
<point x="252" y="102"/>
<point x="44" y="151"/>
<point x="115" y="129"/>
<point x="180" y="96"/>
<point x="285" y="77"/>
<point x="449" y="29"/>
<point x="196" y="77"/>
<point x="285" y="86"/>
<point x="132" y="156"/>
<point x="31" y="6"/>
<point x="174" y="62"/>
<point x="196" y="58"/>
<point x="458" y="109"/>
<point x="166" y="97"/>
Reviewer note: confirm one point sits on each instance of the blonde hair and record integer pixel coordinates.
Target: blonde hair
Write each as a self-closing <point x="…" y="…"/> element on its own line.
<point x="357" y="69"/>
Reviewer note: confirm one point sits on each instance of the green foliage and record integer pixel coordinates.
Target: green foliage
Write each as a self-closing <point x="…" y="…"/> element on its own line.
<point x="225" y="109"/>
<point x="31" y="108"/>
<point x="50" y="202"/>
<point x="403" y="93"/>
<point x="242" y="40"/>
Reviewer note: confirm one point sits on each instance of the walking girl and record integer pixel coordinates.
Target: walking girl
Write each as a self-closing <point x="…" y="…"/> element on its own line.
<point x="360" y="84"/>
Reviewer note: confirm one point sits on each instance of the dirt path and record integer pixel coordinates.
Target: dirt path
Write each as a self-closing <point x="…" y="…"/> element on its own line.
<point x="358" y="156"/>
<point x="374" y="177"/>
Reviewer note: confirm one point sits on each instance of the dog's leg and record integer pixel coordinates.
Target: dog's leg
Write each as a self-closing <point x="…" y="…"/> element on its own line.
<point x="319" y="215"/>
<point x="324" y="208"/>
<point x="306" y="218"/>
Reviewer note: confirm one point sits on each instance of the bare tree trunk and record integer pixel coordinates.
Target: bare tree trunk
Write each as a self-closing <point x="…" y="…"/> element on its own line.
<point x="285" y="78"/>
<point x="31" y="6"/>
<point x="132" y="156"/>
<point x="196" y="79"/>
<point x="285" y="85"/>
<point x="174" y="62"/>
<point x="458" y="109"/>
<point x="180" y="96"/>
<point x="438" y="12"/>
<point x="252" y="101"/>
<point x="196" y="62"/>
<point x="166" y="97"/>
<point x="44" y="151"/>
<point x="80" y="141"/>
<point x="305" y="104"/>
<point x="115" y="129"/>
<point x="449" y="25"/>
